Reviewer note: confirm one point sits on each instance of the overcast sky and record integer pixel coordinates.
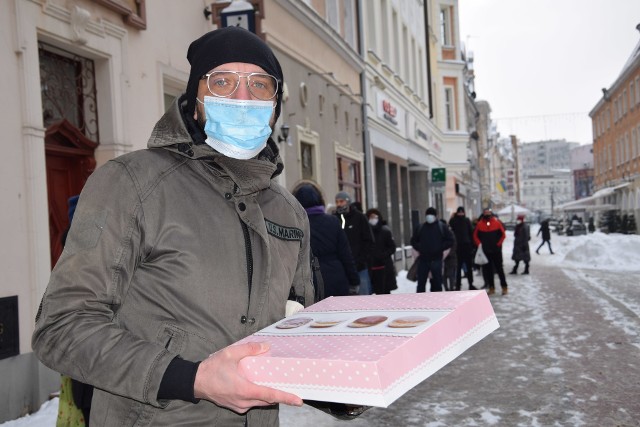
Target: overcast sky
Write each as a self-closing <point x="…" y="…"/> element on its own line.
<point x="542" y="64"/>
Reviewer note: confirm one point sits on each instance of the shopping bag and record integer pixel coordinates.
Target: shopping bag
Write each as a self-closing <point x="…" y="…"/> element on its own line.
<point x="481" y="258"/>
<point x="412" y="274"/>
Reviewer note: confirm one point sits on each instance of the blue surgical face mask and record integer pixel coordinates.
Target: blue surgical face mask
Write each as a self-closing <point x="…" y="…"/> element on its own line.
<point x="237" y="128"/>
<point x="431" y="219"/>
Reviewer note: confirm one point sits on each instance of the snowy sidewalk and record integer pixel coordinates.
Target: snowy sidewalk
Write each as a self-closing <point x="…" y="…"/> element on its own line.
<point x="566" y="354"/>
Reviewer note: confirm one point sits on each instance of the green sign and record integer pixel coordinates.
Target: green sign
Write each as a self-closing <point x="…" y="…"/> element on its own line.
<point x="438" y="175"/>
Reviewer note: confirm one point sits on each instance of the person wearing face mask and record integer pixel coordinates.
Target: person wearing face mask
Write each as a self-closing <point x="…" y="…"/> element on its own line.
<point x="431" y="239"/>
<point x="521" y="237"/>
<point x="179" y="250"/>
<point x="382" y="270"/>
<point x="490" y="233"/>
<point x="360" y="237"/>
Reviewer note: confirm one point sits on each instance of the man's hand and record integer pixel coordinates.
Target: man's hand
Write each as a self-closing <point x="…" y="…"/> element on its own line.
<point x="220" y="381"/>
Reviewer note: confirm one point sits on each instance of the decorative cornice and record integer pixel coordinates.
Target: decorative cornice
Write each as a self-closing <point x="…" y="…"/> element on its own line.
<point x="134" y="18"/>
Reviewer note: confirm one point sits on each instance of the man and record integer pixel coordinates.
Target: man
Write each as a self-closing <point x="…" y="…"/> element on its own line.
<point x="360" y="237"/>
<point x="463" y="231"/>
<point x="490" y="233"/>
<point x="180" y="250"/>
<point x="431" y="239"/>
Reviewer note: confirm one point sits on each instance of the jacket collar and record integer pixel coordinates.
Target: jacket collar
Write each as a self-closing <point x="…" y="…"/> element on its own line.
<point x="179" y="133"/>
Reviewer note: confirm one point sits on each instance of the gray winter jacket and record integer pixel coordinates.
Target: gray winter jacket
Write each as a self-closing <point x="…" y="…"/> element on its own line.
<point x="174" y="250"/>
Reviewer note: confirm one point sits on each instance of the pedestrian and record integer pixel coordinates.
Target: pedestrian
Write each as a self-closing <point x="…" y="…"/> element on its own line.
<point x="431" y="239"/>
<point x="360" y="237"/>
<point x="450" y="267"/>
<point x="463" y="231"/>
<point x="490" y="233"/>
<point x="328" y="243"/>
<point x="546" y="236"/>
<point x="590" y="225"/>
<point x="382" y="271"/>
<point x="180" y="250"/>
<point x="521" y="237"/>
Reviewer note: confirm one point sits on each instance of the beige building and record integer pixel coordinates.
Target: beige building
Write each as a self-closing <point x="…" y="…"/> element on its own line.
<point x="89" y="79"/>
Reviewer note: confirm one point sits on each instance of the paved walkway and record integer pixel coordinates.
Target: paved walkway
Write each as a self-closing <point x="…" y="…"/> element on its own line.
<point x="567" y="353"/>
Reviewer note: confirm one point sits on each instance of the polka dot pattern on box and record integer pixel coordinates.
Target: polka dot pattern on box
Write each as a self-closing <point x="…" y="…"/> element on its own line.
<point x="347" y="347"/>
<point x="421" y="301"/>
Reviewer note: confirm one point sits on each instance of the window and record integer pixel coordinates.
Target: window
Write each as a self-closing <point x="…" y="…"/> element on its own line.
<point x="624" y="102"/>
<point x="445" y="27"/>
<point x="68" y="90"/>
<point x="349" y="177"/>
<point x="394" y="42"/>
<point x="632" y="96"/>
<point x="386" y="39"/>
<point x="307" y="154"/>
<point x="449" y="108"/>
<point x="332" y="15"/>
<point x="638" y="90"/>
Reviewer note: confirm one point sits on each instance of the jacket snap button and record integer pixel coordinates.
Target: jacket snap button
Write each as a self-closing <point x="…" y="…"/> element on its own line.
<point x="252" y="321"/>
<point x="243" y="319"/>
<point x="227" y="196"/>
<point x="242" y="207"/>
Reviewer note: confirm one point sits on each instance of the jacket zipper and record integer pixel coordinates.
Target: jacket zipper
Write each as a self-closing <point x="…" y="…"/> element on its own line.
<point x="247" y="245"/>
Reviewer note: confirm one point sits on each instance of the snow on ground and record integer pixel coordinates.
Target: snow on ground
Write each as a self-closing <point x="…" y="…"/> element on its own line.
<point x="585" y="256"/>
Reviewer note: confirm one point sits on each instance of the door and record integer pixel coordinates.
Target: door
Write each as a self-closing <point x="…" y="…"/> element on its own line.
<point x="70" y="160"/>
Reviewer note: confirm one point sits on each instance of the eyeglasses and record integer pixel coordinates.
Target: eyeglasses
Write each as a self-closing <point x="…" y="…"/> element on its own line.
<point x="224" y="83"/>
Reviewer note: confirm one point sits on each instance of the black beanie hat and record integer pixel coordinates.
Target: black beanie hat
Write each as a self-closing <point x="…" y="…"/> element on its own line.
<point x="229" y="44"/>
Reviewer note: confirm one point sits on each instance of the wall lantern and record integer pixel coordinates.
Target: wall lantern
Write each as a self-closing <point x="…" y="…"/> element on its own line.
<point x="284" y="133"/>
<point x="240" y="13"/>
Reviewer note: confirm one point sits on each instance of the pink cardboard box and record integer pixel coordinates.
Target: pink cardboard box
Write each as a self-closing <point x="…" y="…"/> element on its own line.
<point x="324" y="353"/>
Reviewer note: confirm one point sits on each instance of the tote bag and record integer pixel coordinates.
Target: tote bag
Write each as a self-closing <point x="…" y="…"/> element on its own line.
<point x="481" y="258"/>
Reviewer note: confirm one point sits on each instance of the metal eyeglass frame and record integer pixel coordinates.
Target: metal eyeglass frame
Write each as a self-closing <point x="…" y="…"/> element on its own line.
<point x="240" y="75"/>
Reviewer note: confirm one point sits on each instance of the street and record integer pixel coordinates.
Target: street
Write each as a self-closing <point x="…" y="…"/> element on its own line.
<point x="566" y="354"/>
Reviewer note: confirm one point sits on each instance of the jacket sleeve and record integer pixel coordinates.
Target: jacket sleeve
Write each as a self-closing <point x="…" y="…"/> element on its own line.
<point x="77" y="332"/>
<point x="448" y="239"/>
<point x="503" y="233"/>
<point x="415" y="239"/>
<point x="476" y="238"/>
<point x="389" y="244"/>
<point x="346" y="258"/>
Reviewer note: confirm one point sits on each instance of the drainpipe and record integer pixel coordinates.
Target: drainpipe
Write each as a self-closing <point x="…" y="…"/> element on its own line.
<point x="426" y="29"/>
<point x="366" y="143"/>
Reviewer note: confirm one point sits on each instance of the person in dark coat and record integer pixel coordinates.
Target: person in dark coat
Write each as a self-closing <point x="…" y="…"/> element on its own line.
<point x="450" y="265"/>
<point x="521" y="237"/>
<point x="546" y="236"/>
<point x="328" y="243"/>
<point x="431" y="239"/>
<point x="360" y="237"/>
<point x="463" y="231"/>
<point x="382" y="271"/>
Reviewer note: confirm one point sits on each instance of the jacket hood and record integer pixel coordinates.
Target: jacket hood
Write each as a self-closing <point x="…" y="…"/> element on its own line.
<point x="178" y="133"/>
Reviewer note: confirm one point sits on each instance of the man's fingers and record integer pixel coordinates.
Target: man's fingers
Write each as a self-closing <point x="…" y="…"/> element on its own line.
<point x="269" y="395"/>
<point x="249" y="349"/>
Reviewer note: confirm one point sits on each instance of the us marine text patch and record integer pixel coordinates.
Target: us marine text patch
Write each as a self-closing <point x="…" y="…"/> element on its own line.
<point x="282" y="232"/>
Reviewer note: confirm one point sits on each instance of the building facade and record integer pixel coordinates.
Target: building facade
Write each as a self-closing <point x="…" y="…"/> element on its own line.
<point x="616" y="144"/>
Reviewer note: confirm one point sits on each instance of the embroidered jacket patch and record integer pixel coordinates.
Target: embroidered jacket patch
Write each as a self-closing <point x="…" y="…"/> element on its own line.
<point x="282" y="232"/>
